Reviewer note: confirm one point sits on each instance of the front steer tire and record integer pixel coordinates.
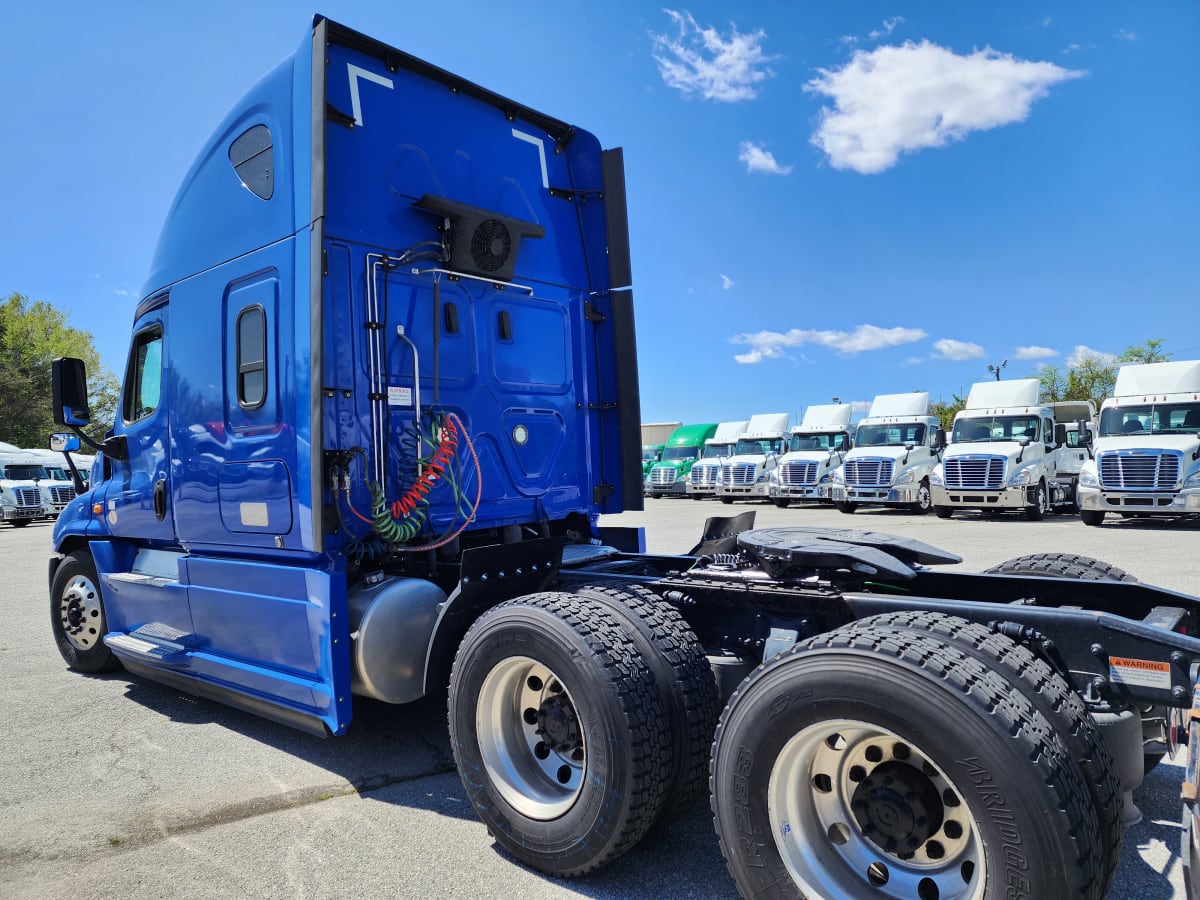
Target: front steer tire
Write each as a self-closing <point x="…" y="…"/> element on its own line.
<point x="881" y="763"/>
<point x="77" y="618"/>
<point x="557" y="732"/>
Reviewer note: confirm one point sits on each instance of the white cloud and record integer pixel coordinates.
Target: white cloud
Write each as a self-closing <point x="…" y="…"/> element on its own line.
<point x="1123" y="35"/>
<point x="1083" y="352"/>
<point x="1072" y="48"/>
<point x="1034" y="352"/>
<point x="913" y="361"/>
<point x="121" y="292"/>
<point x="726" y="282"/>
<point x="759" y="160"/>
<point x="889" y="25"/>
<point x="893" y="100"/>
<point x="948" y="348"/>
<point x="771" y="344"/>
<point x="703" y="61"/>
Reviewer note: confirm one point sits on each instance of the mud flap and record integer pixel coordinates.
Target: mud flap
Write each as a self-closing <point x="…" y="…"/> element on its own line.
<point x="1190" y="849"/>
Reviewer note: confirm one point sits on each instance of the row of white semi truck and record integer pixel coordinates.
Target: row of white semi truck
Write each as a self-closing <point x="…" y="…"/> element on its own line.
<point x="35" y="484"/>
<point x="1006" y="451"/>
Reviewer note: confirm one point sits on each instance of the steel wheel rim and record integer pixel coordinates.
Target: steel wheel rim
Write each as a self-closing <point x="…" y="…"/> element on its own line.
<point x="80" y="613"/>
<point x="531" y="738"/>
<point x="833" y="816"/>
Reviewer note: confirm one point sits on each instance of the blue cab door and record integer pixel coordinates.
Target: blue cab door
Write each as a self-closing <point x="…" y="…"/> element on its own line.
<point x="138" y="501"/>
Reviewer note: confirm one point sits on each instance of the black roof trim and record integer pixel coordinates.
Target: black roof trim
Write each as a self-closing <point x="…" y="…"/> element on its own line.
<point x="395" y="59"/>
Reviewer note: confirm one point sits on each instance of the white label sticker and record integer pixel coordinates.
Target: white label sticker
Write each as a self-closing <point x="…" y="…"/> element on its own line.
<point x="255" y="515"/>
<point x="1140" y="672"/>
<point x="399" y="396"/>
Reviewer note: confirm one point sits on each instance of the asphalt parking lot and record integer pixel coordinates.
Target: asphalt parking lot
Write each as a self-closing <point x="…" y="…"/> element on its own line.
<point x="114" y="786"/>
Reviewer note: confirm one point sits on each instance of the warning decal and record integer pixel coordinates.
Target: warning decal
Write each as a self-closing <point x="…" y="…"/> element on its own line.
<point x="1140" y="672"/>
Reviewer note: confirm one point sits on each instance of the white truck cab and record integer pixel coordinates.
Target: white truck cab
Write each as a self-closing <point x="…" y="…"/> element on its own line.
<point x="755" y="456"/>
<point x="895" y="449"/>
<point x="20" y="491"/>
<point x="58" y="488"/>
<point x="1147" y="450"/>
<point x="816" y="448"/>
<point x="702" y="480"/>
<point x="1003" y="454"/>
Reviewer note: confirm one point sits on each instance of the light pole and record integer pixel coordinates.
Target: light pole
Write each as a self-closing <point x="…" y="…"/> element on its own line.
<point x="997" y="369"/>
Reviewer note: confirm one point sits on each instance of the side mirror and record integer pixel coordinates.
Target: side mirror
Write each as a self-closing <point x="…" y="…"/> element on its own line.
<point x="69" y="392"/>
<point x="1060" y="434"/>
<point x="64" y="443"/>
<point x="1085" y="433"/>
<point x="939" y="439"/>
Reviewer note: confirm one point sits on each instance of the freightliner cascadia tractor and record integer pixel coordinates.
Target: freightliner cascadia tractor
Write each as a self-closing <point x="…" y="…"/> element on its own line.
<point x="382" y="385"/>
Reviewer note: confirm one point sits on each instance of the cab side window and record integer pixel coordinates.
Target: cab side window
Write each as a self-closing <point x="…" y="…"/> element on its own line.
<point x="251" y="357"/>
<point x="143" y="380"/>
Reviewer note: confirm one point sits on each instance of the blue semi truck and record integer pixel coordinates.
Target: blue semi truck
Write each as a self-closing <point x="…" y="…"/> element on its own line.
<point x="381" y="386"/>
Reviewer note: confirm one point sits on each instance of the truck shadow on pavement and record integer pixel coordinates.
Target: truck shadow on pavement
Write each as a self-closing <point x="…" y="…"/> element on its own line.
<point x="401" y="755"/>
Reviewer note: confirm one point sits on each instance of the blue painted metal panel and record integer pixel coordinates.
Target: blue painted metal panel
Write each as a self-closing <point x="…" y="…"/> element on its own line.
<point x="274" y="631"/>
<point x="516" y="354"/>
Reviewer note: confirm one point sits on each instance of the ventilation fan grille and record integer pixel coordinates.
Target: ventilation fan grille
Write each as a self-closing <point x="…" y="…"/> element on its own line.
<point x="491" y="245"/>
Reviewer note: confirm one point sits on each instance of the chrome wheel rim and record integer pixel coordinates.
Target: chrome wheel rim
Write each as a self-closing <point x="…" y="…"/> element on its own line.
<point x="80" y="613"/>
<point x="531" y="738"/>
<point x="857" y="811"/>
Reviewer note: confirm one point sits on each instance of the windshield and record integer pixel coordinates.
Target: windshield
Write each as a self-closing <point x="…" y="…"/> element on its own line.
<point x="57" y="473"/>
<point x="832" y="440"/>
<point x="758" y="447"/>
<point x="1160" y="418"/>
<point x="995" y="428"/>
<point x="712" y="451"/>
<point x="898" y="435"/>
<point x="14" y="472"/>
<point x="650" y="454"/>
<point x="679" y="453"/>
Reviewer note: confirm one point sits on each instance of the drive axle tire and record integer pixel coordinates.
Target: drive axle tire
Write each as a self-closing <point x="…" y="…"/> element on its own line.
<point x="881" y="763"/>
<point x="1061" y="565"/>
<point x="77" y="618"/>
<point x="557" y="732"/>
<point x="1072" y="565"/>
<point x="686" y="686"/>
<point x="1053" y="697"/>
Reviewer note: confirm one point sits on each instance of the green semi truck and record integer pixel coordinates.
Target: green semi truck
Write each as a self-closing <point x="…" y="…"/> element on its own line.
<point x="668" y="477"/>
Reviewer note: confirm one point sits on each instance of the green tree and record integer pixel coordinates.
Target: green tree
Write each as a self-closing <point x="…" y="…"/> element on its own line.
<point x="947" y="411"/>
<point x="32" y="335"/>
<point x="1146" y="352"/>
<point x="1093" y="376"/>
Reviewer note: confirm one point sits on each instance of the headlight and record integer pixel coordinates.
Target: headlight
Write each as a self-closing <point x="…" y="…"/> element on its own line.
<point x="773" y="476"/>
<point x="1019" y="478"/>
<point x="837" y="476"/>
<point x="828" y="476"/>
<point x="1193" y="480"/>
<point x="1087" y="477"/>
<point x="907" y="477"/>
<point x="936" y="477"/>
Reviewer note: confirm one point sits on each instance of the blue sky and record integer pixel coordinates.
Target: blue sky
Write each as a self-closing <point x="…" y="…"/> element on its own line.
<point x="825" y="198"/>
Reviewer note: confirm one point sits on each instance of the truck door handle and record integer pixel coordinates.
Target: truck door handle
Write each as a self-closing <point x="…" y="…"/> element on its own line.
<point x="160" y="498"/>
